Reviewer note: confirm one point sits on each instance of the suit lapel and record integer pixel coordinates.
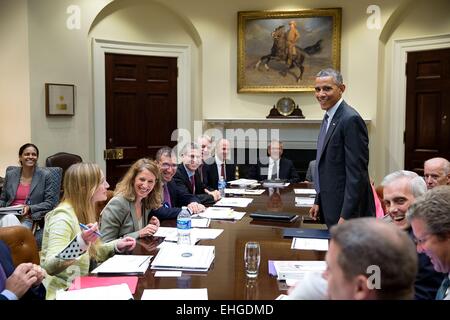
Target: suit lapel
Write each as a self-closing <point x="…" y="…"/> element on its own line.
<point x="334" y="122"/>
<point x="15" y="180"/>
<point x="37" y="176"/>
<point x="186" y="178"/>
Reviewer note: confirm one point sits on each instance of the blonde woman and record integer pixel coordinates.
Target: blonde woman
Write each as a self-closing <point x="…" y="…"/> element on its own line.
<point x="84" y="184"/>
<point x="138" y="196"/>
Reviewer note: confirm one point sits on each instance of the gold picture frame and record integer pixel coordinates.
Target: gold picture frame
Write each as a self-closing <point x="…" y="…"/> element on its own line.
<point x="59" y="100"/>
<point x="271" y="57"/>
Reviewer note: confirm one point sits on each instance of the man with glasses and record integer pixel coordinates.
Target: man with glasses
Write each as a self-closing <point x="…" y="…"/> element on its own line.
<point x="174" y="198"/>
<point x="436" y="172"/>
<point x="430" y="220"/>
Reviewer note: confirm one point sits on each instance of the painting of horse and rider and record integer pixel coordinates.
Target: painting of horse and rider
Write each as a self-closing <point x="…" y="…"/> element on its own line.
<point x="282" y="51"/>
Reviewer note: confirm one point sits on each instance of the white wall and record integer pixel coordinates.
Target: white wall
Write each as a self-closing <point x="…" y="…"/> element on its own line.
<point x="14" y="81"/>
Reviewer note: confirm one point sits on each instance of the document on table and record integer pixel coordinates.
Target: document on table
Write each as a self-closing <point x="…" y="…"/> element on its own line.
<point x="304" y="202"/>
<point x="250" y="192"/>
<point x="171" y="234"/>
<point x="244" y="182"/>
<point x="310" y="244"/>
<point x="234" y="202"/>
<point x="165" y="232"/>
<point x="114" y="292"/>
<point x="184" y="258"/>
<point x="200" y="222"/>
<point x="305" y="191"/>
<point x="171" y="274"/>
<point x="221" y="213"/>
<point x="124" y="264"/>
<point x="298" y="269"/>
<point x="175" y="294"/>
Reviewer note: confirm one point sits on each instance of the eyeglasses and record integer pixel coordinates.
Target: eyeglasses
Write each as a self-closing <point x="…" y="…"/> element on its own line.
<point x="166" y="166"/>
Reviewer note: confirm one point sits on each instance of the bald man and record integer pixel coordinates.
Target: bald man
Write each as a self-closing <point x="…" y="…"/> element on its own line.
<point x="437" y="172"/>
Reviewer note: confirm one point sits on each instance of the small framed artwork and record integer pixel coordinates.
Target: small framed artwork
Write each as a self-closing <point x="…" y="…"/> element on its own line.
<point x="282" y="51"/>
<point x="59" y="100"/>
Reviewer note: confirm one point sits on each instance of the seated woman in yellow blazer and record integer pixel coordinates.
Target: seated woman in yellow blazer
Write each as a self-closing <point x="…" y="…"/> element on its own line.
<point x="84" y="184"/>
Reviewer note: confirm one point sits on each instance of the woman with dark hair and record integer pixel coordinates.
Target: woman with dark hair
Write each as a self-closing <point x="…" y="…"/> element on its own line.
<point x="27" y="185"/>
<point x="137" y="196"/>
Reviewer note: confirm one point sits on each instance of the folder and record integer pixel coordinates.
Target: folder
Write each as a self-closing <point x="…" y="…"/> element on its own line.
<point x="124" y="265"/>
<point x="92" y="282"/>
<point x="15" y="210"/>
<point x="274" y="216"/>
<point x="184" y="258"/>
<point x="306" y="233"/>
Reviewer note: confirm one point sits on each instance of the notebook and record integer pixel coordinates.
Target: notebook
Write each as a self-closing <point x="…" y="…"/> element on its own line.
<point x="306" y="233"/>
<point x="274" y="216"/>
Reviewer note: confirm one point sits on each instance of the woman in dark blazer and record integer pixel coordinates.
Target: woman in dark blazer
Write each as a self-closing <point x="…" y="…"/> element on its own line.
<point x="30" y="186"/>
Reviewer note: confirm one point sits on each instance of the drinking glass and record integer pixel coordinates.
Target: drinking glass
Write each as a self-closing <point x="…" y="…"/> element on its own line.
<point x="252" y="257"/>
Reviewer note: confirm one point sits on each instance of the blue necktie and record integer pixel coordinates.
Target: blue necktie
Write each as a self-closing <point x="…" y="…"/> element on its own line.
<point x="320" y="141"/>
<point x="167" y="196"/>
<point x="2" y="278"/>
<point x="443" y="289"/>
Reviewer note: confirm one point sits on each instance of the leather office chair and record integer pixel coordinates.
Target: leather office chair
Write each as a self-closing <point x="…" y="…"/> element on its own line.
<point x="63" y="160"/>
<point x="22" y="244"/>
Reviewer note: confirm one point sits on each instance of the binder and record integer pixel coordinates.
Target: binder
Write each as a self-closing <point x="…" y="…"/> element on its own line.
<point x="184" y="258"/>
<point x="274" y="216"/>
<point x="15" y="210"/>
<point x="306" y="233"/>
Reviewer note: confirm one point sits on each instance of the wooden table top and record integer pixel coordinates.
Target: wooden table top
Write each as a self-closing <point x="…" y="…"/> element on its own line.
<point x="226" y="278"/>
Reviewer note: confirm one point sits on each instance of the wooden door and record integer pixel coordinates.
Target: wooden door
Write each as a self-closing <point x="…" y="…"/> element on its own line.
<point x="427" y="132"/>
<point x="141" y="108"/>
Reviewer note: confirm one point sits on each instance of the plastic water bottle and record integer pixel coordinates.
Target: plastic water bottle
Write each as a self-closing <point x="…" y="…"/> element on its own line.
<point x="184" y="226"/>
<point x="221" y="186"/>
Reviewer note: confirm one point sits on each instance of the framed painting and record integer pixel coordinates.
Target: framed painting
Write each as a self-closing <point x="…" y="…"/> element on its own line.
<point x="282" y="51"/>
<point x="59" y="100"/>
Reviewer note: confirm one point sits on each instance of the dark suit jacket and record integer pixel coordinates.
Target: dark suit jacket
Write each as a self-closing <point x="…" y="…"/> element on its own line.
<point x="345" y="189"/>
<point x="42" y="197"/>
<point x="287" y="171"/>
<point x="181" y="179"/>
<point x="212" y="176"/>
<point x="37" y="293"/>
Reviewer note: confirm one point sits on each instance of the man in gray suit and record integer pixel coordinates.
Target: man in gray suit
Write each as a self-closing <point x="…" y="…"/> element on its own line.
<point x="341" y="179"/>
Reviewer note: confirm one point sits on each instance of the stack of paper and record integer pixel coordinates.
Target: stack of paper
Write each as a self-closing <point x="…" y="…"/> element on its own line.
<point x="200" y="222"/>
<point x="175" y="294"/>
<point x="310" y="192"/>
<point x="244" y="182"/>
<point x="16" y="210"/>
<point x="250" y="192"/>
<point x="233" y="202"/>
<point x="184" y="257"/>
<point x="304" y="202"/>
<point x="115" y="292"/>
<point x="298" y="269"/>
<point x="275" y="184"/>
<point x="124" y="264"/>
<point x="310" y="244"/>
<point x="221" y="213"/>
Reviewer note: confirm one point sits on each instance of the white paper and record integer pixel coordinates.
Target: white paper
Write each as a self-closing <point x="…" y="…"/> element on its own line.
<point x="164" y="232"/>
<point x="291" y="282"/>
<point x="15" y="210"/>
<point x="200" y="223"/>
<point x="197" y="234"/>
<point x="310" y="244"/>
<point x="174" y="274"/>
<point x="114" y="292"/>
<point x="125" y="264"/>
<point x="250" y="192"/>
<point x="184" y="257"/>
<point x="175" y="294"/>
<point x="234" y="202"/>
<point x="304" y="202"/>
<point x="243" y="182"/>
<point x="221" y="213"/>
<point x="289" y="270"/>
<point x="305" y="191"/>
<point x="276" y="184"/>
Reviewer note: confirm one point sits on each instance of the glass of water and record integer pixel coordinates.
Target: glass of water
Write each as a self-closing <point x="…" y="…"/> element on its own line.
<point x="252" y="257"/>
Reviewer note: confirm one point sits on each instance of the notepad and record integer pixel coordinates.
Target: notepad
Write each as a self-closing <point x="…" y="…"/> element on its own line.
<point x="124" y="264"/>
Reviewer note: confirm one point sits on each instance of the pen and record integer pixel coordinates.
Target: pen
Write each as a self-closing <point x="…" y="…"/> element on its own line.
<point x="85" y="227"/>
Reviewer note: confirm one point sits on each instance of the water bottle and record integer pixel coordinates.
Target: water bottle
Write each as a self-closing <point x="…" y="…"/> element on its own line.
<point x="221" y="186"/>
<point x="184" y="226"/>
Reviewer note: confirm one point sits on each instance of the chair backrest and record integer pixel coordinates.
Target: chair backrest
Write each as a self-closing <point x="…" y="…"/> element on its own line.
<point x="63" y="160"/>
<point x="22" y="244"/>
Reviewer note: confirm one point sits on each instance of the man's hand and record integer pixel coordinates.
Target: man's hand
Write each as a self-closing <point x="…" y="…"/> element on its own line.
<point x="215" y="194"/>
<point x="196" y="207"/>
<point x="23" y="277"/>
<point x="314" y="212"/>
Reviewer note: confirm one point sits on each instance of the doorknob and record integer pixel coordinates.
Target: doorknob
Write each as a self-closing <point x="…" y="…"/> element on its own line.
<point x="113" y="154"/>
<point x="444" y="119"/>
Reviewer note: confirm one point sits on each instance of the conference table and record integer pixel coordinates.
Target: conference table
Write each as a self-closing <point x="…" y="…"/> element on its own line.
<point x="226" y="279"/>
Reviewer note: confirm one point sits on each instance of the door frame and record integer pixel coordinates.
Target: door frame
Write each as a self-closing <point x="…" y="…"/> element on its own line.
<point x="397" y="106"/>
<point x="102" y="46"/>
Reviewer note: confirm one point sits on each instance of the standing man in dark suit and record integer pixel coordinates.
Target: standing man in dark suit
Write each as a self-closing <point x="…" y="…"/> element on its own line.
<point x="277" y="168"/>
<point x="174" y="198"/>
<point x="342" y="178"/>
<point x="23" y="282"/>
<point x="188" y="178"/>
<point x="221" y="166"/>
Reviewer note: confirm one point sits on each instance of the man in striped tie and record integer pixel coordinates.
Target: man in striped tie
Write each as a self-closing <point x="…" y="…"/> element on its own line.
<point x="430" y="221"/>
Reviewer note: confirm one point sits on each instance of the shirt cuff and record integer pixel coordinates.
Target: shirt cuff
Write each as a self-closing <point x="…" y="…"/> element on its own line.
<point x="9" y="295"/>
